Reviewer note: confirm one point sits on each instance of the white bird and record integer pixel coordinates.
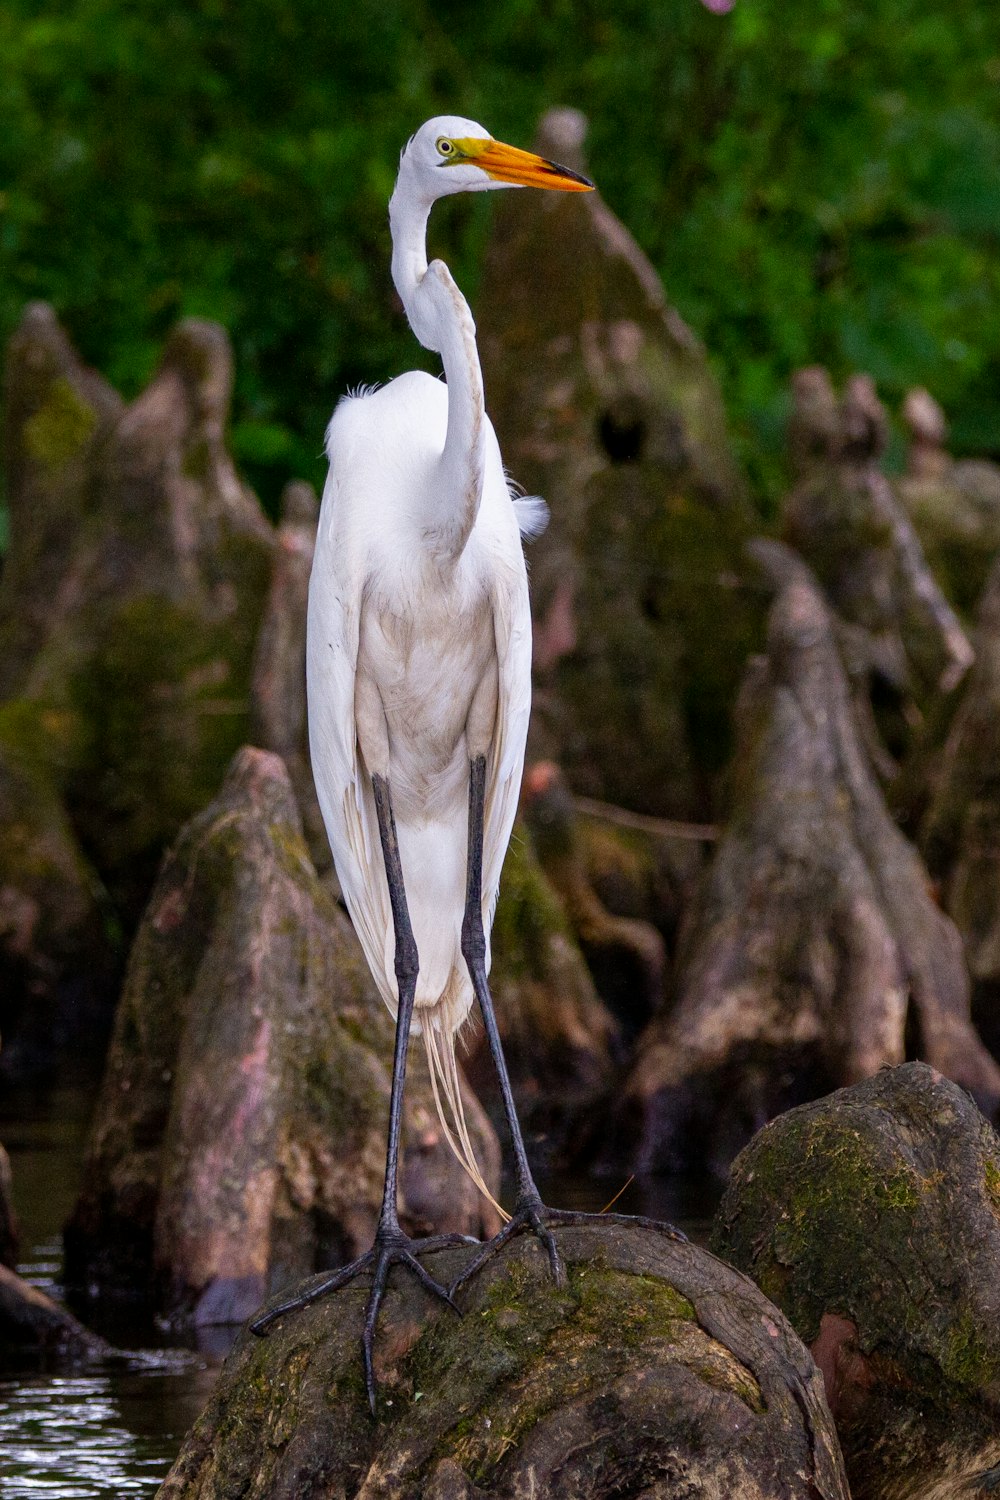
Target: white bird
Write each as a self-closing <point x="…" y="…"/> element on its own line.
<point x="419" y="677"/>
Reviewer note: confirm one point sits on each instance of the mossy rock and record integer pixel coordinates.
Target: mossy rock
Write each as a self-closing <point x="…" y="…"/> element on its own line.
<point x="872" y="1219"/>
<point x="655" y="1371"/>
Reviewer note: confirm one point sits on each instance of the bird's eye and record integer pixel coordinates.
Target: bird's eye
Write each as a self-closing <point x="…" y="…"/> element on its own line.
<point x="446" y="147"/>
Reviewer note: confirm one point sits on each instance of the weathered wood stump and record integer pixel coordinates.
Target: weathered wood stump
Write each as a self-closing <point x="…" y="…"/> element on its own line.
<point x="815" y="953"/>
<point x="954" y="506"/>
<point x="57" y="969"/>
<point x="872" y="1218"/>
<point x="625" y="954"/>
<point x="604" y="402"/>
<point x="239" y="1139"/>
<point x="961" y="830"/>
<point x="58" y="416"/>
<point x="278" y="682"/>
<point x="905" y="643"/>
<point x="36" y="1333"/>
<point x="657" y="1371"/>
<point x="10" y="1235"/>
<point x="558" y="1036"/>
<point x="129" y="608"/>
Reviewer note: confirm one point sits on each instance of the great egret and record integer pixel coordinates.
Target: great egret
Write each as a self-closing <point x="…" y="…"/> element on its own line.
<point x="419" y="679"/>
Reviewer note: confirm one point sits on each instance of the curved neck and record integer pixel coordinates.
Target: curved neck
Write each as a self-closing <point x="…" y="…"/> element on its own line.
<point x="440" y="318"/>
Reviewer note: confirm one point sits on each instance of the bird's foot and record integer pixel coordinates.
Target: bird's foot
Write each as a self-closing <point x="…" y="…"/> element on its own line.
<point x="391" y="1247"/>
<point x="531" y="1213"/>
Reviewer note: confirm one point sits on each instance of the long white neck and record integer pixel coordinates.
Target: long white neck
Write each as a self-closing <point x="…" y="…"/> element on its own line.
<point x="440" y="318"/>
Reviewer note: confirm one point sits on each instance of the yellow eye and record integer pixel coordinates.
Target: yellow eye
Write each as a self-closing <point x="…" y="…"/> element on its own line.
<point x="446" y="147"/>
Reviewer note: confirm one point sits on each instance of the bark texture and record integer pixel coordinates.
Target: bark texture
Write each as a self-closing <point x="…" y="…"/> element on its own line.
<point x="128" y="611"/>
<point x="278" y="683"/>
<point x="604" y="403"/>
<point x="872" y="1218"/>
<point x="954" y="507"/>
<point x="36" y="1332"/>
<point x="10" y="1236"/>
<point x="657" y="1371"/>
<point x="815" y="953"/>
<point x="905" y="643"/>
<point x="625" y="954"/>
<point x="961" y="832"/>
<point x="559" y="1038"/>
<point x="239" y="1139"/>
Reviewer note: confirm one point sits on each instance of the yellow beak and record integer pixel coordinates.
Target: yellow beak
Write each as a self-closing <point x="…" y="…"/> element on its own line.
<point x="508" y="164"/>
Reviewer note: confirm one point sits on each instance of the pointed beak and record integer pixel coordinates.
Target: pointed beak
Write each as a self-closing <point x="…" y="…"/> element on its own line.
<point x="523" y="168"/>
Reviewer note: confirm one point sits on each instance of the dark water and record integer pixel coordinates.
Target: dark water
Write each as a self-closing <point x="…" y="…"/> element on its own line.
<point x="104" y="1430"/>
<point x="114" y="1429"/>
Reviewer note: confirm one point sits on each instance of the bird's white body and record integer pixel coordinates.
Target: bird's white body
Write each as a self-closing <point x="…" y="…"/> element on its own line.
<point x="419" y="642"/>
<point x="418" y="664"/>
<point x="435" y="636"/>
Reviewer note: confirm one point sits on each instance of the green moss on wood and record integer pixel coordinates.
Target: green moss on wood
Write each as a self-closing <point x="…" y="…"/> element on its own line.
<point x="61" y="426"/>
<point x="528" y="912"/>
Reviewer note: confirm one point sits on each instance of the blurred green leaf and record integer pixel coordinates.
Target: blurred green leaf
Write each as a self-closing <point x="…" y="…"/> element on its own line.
<point x="815" y="183"/>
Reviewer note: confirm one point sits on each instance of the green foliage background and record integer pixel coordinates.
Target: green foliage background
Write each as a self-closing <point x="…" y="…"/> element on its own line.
<point x="815" y="182"/>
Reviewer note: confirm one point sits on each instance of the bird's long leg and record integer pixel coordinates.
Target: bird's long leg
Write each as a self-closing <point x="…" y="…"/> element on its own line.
<point x="391" y="1244"/>
<point x="529" y="1210"/>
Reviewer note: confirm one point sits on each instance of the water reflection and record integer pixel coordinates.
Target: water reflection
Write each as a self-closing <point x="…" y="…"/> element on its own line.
<point x="110" y="1430"/>
<point x="115" y="1429"/>
<point x="99" y="1434"/>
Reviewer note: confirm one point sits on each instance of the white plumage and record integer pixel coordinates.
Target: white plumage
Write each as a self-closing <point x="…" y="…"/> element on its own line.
<point x="430" y="632"/>
<point x="419" y="638"/>
<point x="419" y="683"/>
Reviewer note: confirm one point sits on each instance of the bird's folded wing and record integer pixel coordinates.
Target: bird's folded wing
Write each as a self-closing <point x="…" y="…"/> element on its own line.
<point x="343" y="788"/>
<point x="512" y="628"/>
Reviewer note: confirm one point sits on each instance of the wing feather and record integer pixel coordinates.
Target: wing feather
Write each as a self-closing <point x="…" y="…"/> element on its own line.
<point x="344" y="792"/>
<point x="512" y="629"/>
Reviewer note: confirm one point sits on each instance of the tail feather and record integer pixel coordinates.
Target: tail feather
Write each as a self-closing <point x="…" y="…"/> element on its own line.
<point x="443" y="1068"/>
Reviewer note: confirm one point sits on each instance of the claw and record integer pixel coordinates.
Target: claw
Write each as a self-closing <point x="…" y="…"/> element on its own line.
<point x="534" y="1215"/>
<point x="529" y="1214"/>
<point x="391" y="1248"/>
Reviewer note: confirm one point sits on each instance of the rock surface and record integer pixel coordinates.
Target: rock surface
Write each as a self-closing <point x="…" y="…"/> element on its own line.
<point x="604" y="404"/>
<point x="239" y="1139"/>
<point x="815" y="953"/>
<point x="656" y="1372"/>
<point x="872" y="1218"/>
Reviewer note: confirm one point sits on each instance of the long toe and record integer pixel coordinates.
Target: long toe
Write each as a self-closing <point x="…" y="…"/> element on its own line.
<point x="321" y="1288"/>
<point x="394" y="1252"/>
<point x="530" y="1214"/>
<point x="533" y="1214"/>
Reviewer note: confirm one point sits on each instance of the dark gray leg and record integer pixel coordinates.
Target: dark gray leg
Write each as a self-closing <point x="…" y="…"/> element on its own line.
<point x="529" y="1210"/>
<point x="391" y="1244"/>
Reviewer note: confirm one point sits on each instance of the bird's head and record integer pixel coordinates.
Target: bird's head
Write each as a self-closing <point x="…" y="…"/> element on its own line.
<point x="452" y="155"/>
